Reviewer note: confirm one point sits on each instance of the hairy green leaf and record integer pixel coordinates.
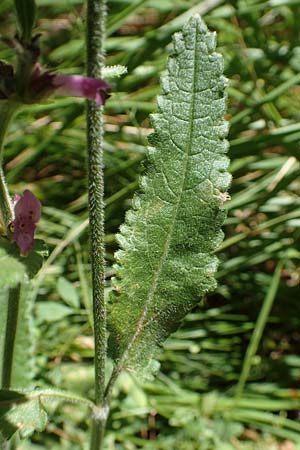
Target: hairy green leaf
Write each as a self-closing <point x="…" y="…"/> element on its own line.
<point x="167" y="260"/>
<point x="14" y="267"/>
<point x="16" y="300"/>
<point x="24" y="410"/>
<point x="19" y="302"/>
<point x="20" y="413"/>
<point x="24" y="360"/>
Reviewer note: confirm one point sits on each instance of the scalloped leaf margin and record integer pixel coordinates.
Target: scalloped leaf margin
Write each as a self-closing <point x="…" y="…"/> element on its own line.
<point x="167" y="262"/>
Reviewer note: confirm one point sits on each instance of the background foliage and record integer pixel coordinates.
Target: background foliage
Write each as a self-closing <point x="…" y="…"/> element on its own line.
<point x="191" y="404"/>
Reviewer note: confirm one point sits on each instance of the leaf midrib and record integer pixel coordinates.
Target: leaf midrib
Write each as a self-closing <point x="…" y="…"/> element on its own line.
<point x="141" y="323"/>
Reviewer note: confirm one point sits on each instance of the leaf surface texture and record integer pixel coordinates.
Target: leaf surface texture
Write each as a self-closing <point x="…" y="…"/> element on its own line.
<point x="166" y="262"/>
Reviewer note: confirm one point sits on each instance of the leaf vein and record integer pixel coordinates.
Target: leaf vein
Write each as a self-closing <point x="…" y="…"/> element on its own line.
<point x="167" y="243"/>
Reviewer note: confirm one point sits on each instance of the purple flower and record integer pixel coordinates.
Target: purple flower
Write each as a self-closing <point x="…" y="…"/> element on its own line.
<point x="78" y="86"/>
<point x="44" y="83"/>
<point x="27" y="214"/>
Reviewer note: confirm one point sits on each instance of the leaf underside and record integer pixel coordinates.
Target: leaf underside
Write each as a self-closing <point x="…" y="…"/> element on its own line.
<point x="166" y="262"/>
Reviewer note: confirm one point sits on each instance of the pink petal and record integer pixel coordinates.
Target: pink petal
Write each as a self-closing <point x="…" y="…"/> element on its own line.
<point x="78" y="86"/>
<point x="16" y="199"/>
<point x="24" y="240"/>
<point x="27" y="214"/>
<point x="28" y="207"/>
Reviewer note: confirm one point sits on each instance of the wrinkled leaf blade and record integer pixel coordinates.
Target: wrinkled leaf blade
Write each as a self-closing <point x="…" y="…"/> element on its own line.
<point x="166" y="262"/>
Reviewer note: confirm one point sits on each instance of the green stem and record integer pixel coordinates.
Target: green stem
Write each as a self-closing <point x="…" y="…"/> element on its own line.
<point x="6" y="206"/>
<point x="110" y="385"/>
<point x="96" y="26"/>
<point x="7" y="110"/>
<point x="258" y="330"/>
<point x="10" y="335"/>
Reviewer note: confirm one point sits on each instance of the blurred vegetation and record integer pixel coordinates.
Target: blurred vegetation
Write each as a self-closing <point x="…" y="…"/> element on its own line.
<point x="191" y="404"/>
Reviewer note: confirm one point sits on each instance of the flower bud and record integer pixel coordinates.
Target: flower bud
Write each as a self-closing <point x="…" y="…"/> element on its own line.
<point x="27" y="214"/>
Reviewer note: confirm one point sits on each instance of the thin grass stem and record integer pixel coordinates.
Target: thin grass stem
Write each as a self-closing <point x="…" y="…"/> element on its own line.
<point x="258" y="330"/>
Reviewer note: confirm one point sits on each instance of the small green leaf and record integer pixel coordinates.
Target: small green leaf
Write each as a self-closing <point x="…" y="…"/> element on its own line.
<point x="12" y="269"/>
<point x="26" y="14"/>
<point x="20" y="413"/>
<point x="52" y="311"/>
<point x="24" y="411"/>
<point x="68" y="293"/>
<point x="167" y="260"/>
<point x="15" y="267"/>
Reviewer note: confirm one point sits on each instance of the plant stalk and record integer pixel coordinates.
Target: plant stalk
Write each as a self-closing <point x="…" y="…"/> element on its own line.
<point x="10" y="335"/>
<point x="6" y="205"/>
<point x="96" y="27"/>
<point x="7" y="110"/>
<point x="258" y="330"/>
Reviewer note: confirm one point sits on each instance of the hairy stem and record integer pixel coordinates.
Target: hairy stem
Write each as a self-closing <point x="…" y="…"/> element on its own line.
<point x="96" y="25"/>
<point x="7" y="110"/>
<point x="6" y="206"/>
<point x="258" y="330"/>
<point x="10" y="335"/>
